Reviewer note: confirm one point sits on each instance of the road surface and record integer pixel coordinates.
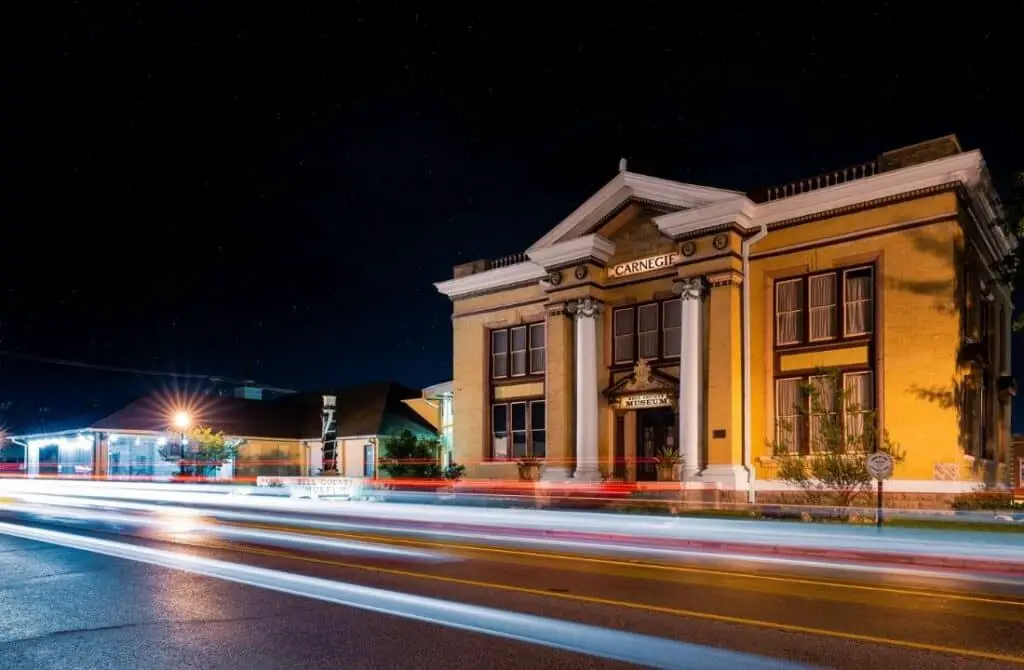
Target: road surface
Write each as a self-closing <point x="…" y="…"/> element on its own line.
<point x="63" y="607"/>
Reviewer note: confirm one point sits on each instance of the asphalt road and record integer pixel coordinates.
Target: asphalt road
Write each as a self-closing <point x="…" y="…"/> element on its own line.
<point x="66" y="608"/>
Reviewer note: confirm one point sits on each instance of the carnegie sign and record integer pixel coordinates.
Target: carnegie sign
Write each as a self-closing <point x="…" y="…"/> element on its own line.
<point x="642" y="265"/>
<point x="644" y="400"/>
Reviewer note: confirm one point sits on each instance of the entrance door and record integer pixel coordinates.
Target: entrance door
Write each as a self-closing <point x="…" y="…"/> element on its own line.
<point x="655" y="431"/>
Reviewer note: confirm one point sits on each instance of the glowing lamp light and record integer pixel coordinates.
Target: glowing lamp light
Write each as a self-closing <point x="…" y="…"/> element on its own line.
<point x="182" y="420"/>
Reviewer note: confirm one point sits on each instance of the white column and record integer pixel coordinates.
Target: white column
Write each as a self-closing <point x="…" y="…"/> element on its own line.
<point x="690" y="292"/>
<point x="586" y="311"/>
<point x="32" y="458"/>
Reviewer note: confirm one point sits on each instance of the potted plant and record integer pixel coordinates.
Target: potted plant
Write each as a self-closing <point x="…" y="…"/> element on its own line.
<point x="668" y="460"/>
<point x="529" y="469"/>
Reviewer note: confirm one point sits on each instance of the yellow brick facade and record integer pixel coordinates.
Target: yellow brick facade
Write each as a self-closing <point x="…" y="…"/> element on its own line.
<point x="915" y="227"/>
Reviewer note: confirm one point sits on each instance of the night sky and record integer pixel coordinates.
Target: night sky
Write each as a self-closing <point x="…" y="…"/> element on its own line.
<point x="270" y="194"/>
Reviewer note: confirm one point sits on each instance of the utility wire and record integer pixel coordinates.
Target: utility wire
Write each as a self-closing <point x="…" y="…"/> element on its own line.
<point x="133" y="371"/>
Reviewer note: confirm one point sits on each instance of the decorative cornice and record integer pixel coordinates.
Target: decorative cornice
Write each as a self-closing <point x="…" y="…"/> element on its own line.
<point x="737" y="210"/>
<point x="586" y="306"/>
<point x="499" y="278"/>
<point x="582" y="249"/>
<point x="727" y="278"/>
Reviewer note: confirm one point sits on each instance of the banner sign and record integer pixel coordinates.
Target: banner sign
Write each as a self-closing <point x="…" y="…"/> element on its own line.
<point x="316" y="486"/>
<point x="329" y="433"/>
<point x="644" y="400"/>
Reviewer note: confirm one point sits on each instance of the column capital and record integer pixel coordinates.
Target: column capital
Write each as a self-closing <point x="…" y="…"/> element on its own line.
<point x="584" y="307"/>
<point x="690" y="288"/>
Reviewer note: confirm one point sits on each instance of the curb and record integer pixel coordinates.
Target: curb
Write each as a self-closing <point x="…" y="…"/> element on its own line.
<point x="966" y="563"/>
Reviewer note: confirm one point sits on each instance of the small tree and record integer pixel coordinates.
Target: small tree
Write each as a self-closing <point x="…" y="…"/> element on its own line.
<point x="203" y="453"/>
<point x="840" y="437"/>
<point x="406" y="455"/>
<point x="1008" y="268"/>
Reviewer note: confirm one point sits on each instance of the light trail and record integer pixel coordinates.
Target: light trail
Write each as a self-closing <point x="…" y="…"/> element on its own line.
<point x="606" y="643"/>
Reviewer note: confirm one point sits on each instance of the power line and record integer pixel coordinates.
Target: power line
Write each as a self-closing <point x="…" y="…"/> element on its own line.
<point x="133" y="371"/>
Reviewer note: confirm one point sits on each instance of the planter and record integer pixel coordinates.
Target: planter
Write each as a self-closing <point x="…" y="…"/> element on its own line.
<point x="667" y="473"/>
<point x="529" y="473"/>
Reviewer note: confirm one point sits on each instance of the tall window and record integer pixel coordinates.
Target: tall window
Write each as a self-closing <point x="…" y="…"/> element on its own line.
<point x="824" y="307"/>
<point x="803" y="425"/>
<point x="821" y="306"/>
<point x="858" y="290"/>
<point x="789" y="311"/>
<point x="651" y="330"/>
<point x="518" y="430"/>
<point x="821" y="411"/>
<point x="788" y="414"/>
<point x="517" y="351"/>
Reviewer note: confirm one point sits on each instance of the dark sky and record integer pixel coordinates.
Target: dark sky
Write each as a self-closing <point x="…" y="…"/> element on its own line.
<point x="270" y="193"/>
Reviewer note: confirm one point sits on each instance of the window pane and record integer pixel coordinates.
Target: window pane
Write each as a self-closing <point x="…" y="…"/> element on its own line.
<point x="824" y="431"/>
<point x="519" y="416"/>
<point x="857" y="294"/>
<point x="647" y="331"/>
<point x="623" y="335"/>
<point x="519" y="444"/>
<point x="499" y="430"/>
<point x="519" y="350"/>
<point x="540" y="447"/>
<point x="499" y="341"/>
<point x="537" y="419"/>
<point x="788" y="403"/>
<point x="789" y="298"/>
<point x="860" y="405"/>
<point x="537" y="348"/>
<point x="672" y="320"/>
<point x="822" y="306"/>
<point x="499" y="365"/>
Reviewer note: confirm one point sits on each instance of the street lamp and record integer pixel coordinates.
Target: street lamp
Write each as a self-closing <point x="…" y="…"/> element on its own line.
<point x="182" y="421"/>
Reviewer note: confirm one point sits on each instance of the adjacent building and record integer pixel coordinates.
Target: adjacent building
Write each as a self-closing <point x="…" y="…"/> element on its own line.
<point x="277" y="435"/>
<point x="669" y="316"/>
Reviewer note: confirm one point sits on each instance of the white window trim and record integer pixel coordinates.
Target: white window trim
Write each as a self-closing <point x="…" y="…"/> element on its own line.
<point x="508" y="362"/>
<point x="512" y="351"/>
<point x="871" y="301"/>
<point x="664" y="330"/>
<point x="834" y="306"/>
<point x="530" y="348"/>
<point x="799" y="336"/>
<point x="778" y="414"/>
<point x="632" y="334"/>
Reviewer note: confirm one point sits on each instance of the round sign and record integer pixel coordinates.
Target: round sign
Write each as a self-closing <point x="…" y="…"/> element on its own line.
<point x="880" y="465"/>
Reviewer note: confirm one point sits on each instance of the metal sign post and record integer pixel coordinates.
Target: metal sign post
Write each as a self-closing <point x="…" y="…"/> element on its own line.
<point x="879" y="466"/>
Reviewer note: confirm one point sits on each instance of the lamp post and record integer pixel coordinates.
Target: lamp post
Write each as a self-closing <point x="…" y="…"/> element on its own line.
<point x="182" y="421"/>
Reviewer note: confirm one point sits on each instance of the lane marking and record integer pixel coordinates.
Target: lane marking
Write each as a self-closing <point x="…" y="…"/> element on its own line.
<point x="655" y="609"/>
<point x="636" y="648"/>
<point x="925" y="593"/>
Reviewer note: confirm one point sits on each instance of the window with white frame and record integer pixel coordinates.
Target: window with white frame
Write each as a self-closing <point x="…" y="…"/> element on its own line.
<point x="518" y="351"/>
<point x="823" y="428"/>
<point x="789" y="414"/>
<point x="825" y="306"/>
<point x="789" y="311"/>
<point x="671" y="327"/>
<point x="858" y="298"/>
<point x="821" y="307"/>
<point x="651" y="330"/>
<point x="859" y="392"/>
<point x="518" y="430"/>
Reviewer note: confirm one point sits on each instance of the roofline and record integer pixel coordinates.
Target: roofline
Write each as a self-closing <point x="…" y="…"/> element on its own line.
<point x="439" y="389"/>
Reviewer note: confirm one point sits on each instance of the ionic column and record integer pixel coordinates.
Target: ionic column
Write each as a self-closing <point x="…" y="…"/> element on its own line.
<point x="690" y="292"/>
<point x="586" y="311"/>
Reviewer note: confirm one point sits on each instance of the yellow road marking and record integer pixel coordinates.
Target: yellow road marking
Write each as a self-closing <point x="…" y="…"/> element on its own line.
<point x="926" y="593"/>
<point x="656" y="609"/>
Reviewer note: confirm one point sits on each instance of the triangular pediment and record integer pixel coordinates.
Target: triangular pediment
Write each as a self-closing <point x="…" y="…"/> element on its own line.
<point x="636" y="235"/>
<point x="644" y="379"/>
<point x="625" y="189"/>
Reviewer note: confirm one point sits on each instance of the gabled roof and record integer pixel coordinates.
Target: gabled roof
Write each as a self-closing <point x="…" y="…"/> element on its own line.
<point x="367" y="410"/>
<point x="626" y="186"/>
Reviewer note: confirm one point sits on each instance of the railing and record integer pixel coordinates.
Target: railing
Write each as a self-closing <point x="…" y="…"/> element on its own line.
<point x="505" y="261"/>
<point x="823" y="181"/>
